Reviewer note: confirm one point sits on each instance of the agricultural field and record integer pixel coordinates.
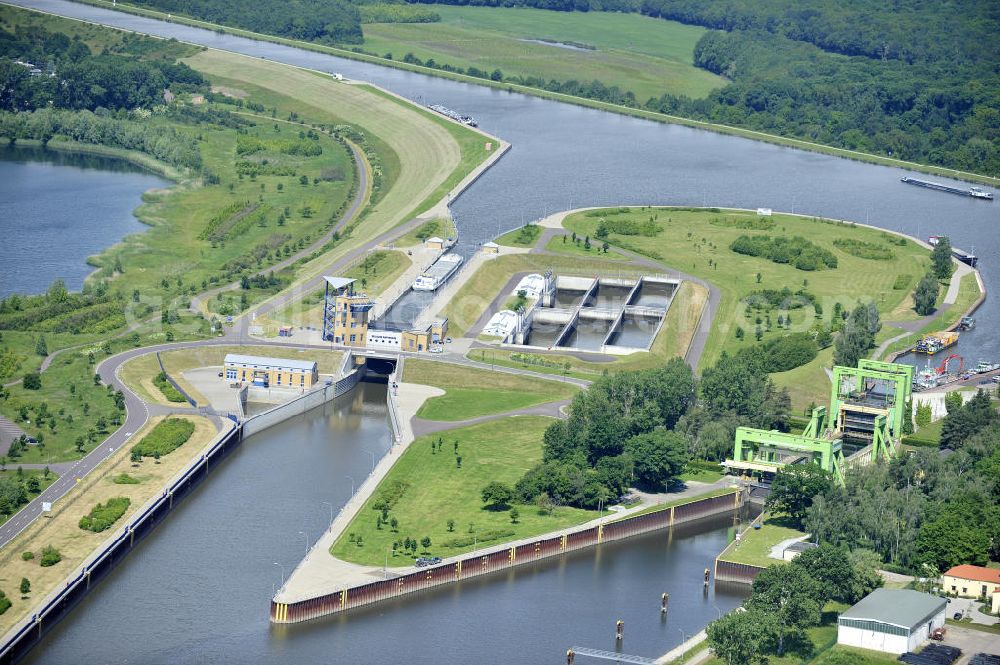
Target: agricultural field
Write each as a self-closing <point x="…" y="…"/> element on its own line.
<point x="644" y="56"/>
<point x="433" y="494"/>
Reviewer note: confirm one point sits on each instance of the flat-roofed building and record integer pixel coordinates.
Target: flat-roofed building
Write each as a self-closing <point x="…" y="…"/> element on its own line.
<point x="270" y="372"/>
<point x="891" y="620"/>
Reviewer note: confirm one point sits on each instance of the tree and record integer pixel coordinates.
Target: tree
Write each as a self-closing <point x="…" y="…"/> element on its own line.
<point x="394" y="524"/>
<point x="953" y="402"/>
<point x="743" y="638"/>
<point x="941" y="258"/>
<point x="32" y="381"/>
<point x="41" y="348"/>
<point x="425" y="542"/>
<point x="836" y="572"/>
<point x="793" y="597"/>
<point x="658" y="457"/>
<point x="908" y="417"/>
<point x="794" y="488"/>
<point x="497" y="496"/>
<point x="451" y="525"/>
<point x="926" y="294"/>
<point x="514" y="514"/>
<point x="924" y="414"/>
<point x="25" y="585"/>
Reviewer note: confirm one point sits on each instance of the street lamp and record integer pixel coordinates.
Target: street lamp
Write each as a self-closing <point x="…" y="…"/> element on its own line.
<point x="305" y="539"/>
<point x="331" y="510"/>
<point x="282" y="572"/>
<point x="373" y="458"/>
<point x="351" y="478"/>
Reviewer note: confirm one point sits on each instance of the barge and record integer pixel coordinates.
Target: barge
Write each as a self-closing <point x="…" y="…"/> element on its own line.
<point x="438" y="273"/>
<point x="968" y="258"/>
<point x="935" y="342"/>
<point x="974" y="192"/>
<point x="454" y="115"/>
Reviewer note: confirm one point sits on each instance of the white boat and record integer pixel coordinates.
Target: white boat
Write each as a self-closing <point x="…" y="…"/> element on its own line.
<point x="438" y="273"/>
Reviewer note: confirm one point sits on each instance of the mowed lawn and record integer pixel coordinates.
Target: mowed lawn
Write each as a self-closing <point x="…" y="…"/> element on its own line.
<point x="437" y="490"/>
<point x="474" y="392"/>
<point x="648" y="57"/>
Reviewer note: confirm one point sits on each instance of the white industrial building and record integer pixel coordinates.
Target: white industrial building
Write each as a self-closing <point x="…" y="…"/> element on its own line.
<point x="891" y="620"/>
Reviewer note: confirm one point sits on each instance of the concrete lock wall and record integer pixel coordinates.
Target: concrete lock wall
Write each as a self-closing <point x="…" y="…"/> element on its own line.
<point x="301" y="404"/>
<point x="502" y="558"/>
<point x="730" y="571"/>
<point x="114" y="550"/>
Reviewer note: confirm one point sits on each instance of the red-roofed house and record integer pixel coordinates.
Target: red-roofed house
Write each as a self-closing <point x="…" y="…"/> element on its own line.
<point x="971" y="581"/>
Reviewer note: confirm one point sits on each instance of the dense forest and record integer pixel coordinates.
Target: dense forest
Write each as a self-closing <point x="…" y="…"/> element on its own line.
<point x="40" y="69"/>
<point x="910" y="79"/>
<point x="324" y="21"/>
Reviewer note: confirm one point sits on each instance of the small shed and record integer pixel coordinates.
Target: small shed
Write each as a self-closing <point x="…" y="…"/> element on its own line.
<point x="434" y="243"/>
<point x="891" y="620"/>
<point x="491" y="248"/>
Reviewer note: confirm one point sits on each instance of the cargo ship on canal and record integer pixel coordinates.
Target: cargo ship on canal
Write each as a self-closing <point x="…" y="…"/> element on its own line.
<point x="438" y="273"/>
<point x="974" y="192"/>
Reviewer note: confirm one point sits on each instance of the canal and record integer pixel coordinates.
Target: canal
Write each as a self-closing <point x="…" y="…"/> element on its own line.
<point x="57" y="208"/>
<point x="197" y="590"/>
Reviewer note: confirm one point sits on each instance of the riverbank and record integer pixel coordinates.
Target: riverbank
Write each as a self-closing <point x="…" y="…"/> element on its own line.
<point x="570" y="99"/>
<point x="133" y="157"/>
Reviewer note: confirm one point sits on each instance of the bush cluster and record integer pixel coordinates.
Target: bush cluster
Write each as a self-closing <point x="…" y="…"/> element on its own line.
<point x="864" y="250"/>
<point x="482" y="537"/>
<point x="102" y="516"/>
<point x="166" y="437"/>
<point x="795" y="250"/>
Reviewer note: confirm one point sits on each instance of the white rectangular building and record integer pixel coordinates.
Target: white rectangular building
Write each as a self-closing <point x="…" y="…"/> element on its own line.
<point x="891" y="620"/>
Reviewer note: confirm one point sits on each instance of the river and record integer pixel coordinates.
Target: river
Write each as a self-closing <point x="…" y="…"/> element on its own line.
<point x="57" y="208"/>
<point x="197" y="591"/>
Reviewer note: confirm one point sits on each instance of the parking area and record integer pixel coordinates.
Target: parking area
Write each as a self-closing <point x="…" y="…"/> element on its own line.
<point x="971" y="642"/>
<point x="969" y="607"/>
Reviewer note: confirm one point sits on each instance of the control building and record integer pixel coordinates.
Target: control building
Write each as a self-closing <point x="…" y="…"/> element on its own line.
<point x="345" y="313"/>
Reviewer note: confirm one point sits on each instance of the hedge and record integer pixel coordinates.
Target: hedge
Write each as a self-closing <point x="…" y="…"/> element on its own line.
<point x="168" y="435"/>
<point x="102" y="516"/>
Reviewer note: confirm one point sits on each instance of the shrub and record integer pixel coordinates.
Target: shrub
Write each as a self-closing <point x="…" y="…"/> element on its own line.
<point x="902" y="281"/>
<point x="388" y="496"/>
<point x="864" y="250"/>
<point x="789" y="351"/>
<point x="755" y="223"/>
<point x="166" y="437"/>
<point x="50" y="557"/>
<point x="102" y="516"/>
<point x="167" y="388"/>
<point x="27" y="556"/>
<point x="4" y="602"/>
<point x="124" y="479"/>
<point x="628" y="227"/>
<point x="32" y="381"/>
<point x="796" y="250"/>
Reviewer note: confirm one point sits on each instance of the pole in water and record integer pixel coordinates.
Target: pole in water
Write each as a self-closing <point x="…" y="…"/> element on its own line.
<point x="664" y="598"/>
<point x="619" y="630"/>
<point x="570" y="656"/>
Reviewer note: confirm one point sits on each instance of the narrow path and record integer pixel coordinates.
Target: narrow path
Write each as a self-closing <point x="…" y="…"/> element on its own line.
<point x="551" y="409"/>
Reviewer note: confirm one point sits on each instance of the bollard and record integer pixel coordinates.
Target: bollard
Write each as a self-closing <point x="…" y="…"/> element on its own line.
<point x="663" y="602"/>
<point x="706" y="575"/>
<point x="570" y="656"/>
<point x="619" y="630"/>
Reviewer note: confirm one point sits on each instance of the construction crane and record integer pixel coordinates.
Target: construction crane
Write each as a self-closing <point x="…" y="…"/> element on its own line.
<point x="943" y="368"/>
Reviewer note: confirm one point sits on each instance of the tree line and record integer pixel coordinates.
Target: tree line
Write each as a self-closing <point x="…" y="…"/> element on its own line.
<point x="325" y="21"/>
<point x="41" y="68"/>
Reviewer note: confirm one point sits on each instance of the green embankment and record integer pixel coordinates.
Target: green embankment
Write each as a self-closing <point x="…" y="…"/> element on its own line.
<point x="755" y="545"/>
<point x="471" y="393"/>
<point x="645" y="57"/>
<point x="434" y="490"/>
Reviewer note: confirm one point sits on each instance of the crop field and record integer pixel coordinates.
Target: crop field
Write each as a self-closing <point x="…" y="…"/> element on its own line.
<point x="648" y="57"/>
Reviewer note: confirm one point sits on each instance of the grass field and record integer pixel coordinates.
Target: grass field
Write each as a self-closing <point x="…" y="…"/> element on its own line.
<point x="442" y="228"/>
<point x="470" y="392"/>
<point x="644" y="56"/>
<point x="436" y="491"/>
<point x="756" y="544"/>
<point x="565" y="245"/>
<point x="62" y="529"/>
<point x="525" y="236"/>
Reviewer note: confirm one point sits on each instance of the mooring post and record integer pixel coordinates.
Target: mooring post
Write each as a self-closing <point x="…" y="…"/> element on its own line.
<point x="619" y="630"/>
<point x="570" y="657"/>
<point x="663" y="602"/>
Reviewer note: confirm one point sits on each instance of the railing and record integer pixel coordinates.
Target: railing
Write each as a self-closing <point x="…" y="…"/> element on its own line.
<point x="176" y="385"/>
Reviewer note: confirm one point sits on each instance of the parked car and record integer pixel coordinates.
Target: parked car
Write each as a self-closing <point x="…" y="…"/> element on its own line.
<point x="938" y="633"/>
<point x="433" y="560"/>
<point x="421" y="562"/>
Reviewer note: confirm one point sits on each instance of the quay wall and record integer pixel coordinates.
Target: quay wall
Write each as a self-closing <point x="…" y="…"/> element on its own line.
<point x="502" y="558"/>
